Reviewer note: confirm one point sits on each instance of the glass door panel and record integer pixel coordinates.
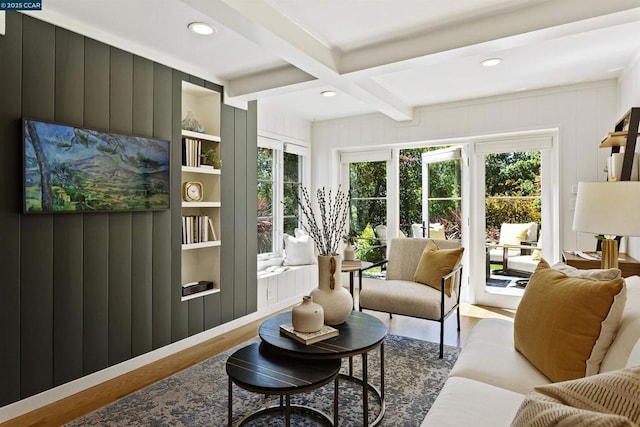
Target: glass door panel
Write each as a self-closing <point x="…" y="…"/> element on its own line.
<point x="513" y="218"/>
<point x="368" y="209"/>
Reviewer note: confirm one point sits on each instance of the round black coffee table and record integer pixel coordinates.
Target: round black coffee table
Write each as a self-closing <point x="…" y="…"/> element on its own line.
<point x="256" y="370"/>
<point x="359" y="334"/>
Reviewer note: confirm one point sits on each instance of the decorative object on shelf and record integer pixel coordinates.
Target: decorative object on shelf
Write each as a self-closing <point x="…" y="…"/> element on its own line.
<point x="210" y="157"/>
<point x="196" y="287"/>
<point x="192" y="191"/>
<point x="191" y="123"/>
<point x="326" y="234"/>
<point x="609" y="209"/>
<point x="307" y="316"/>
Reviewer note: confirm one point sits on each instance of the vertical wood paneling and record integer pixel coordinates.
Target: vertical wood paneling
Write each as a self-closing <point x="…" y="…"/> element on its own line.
<point x="240" y="211"/>
<point x="119" y="287"/>
<point x="67" y="229"/>
<point x="36" y="247"/>
<point x="95" y="277"/>
<point x="161" y="304"/>
<point x="212" y="311"/>
<point x="196" y="316"/>
<point x="227" y="184"/>
<point x="142" y="222"/>
<point x="90" y="290"/>
<point x="141" y="285"/>
<point x="212" y="316"/>
<point x="250" y="190"/>
<point x="121" y="120"/>
<point x="11" y="160"/>
<point x="179" y="310"/>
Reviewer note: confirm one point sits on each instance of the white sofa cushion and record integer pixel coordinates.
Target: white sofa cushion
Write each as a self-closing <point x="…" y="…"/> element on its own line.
<point x="489" y="356"/>
<point x="628" y="332"/>
<point x="408" y="298"/>
<point x="465" y="402"/>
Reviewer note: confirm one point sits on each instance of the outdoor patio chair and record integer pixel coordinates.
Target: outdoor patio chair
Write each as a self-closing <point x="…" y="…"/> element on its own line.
<point x="515" y="240"/>
<point x="400" y="294"/>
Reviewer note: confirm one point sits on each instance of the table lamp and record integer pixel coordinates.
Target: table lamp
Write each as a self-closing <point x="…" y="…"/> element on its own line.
<point x="610" y="209"/>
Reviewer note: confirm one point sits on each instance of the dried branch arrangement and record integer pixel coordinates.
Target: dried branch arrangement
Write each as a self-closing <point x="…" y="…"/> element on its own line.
<point x="334" y="212"/>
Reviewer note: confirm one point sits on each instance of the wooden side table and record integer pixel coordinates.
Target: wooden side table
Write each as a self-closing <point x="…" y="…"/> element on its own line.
<point x="629" y="266"/>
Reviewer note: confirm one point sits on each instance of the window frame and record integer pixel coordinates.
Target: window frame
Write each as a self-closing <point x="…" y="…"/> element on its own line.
<point x="279" y="147"/>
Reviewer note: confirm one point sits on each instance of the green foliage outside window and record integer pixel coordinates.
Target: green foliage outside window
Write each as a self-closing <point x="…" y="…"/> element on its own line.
<point x="265" y="200"/>
<point x="513" y="190"/>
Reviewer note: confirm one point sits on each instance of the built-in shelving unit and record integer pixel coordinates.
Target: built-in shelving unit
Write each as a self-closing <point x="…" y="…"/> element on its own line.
<point x="201" y="240"/>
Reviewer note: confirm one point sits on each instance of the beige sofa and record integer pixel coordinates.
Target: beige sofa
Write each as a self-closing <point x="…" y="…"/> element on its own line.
<point x="490" y="379"/>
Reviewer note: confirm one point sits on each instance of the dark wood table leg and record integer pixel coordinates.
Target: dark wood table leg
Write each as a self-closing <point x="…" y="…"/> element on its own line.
<point x="230" y="404"/>
<point x="365" y="390"/>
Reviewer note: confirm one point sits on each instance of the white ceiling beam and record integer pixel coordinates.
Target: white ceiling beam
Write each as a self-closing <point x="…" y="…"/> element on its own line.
<point x="269" y="29"/>
<point x="261" y="83"/>
<point x="556" y="18"/>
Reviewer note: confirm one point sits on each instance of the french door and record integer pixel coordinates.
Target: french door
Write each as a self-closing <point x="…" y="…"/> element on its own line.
<point x="514" y="199"/>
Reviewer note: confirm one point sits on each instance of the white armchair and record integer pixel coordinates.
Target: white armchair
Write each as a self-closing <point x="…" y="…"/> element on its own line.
<point x="400" y="294"/>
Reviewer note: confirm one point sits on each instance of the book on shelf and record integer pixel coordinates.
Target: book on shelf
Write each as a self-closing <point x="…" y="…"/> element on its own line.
<point x="212" y="231"/>
<point x="197" y="229"/>
<point x="309" y="337"/>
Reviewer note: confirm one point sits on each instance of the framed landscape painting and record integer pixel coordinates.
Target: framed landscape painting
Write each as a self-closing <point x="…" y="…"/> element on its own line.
<point x="71" y="169"/>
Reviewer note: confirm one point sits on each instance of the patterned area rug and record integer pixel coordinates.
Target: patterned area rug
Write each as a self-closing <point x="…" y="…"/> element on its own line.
<point x="197" y="396"/>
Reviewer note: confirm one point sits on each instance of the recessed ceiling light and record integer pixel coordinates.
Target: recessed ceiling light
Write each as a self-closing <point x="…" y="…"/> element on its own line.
<point x="328" y="93"/>
<point x="491" y="62"/>
<point x="201" y="28"/>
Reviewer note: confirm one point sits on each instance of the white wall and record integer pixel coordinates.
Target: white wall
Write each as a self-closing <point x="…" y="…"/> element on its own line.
<point x="272" y="122"/>
<point x="629" y="96"/>
<point x="582" y="114"/>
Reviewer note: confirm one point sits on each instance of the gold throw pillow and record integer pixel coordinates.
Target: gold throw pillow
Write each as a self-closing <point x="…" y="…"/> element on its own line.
<point x="435" y="263"/>
<point x="564" y="325"/>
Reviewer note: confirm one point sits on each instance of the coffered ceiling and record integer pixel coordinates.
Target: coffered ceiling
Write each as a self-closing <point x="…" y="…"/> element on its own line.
<point x="385" y="56"/>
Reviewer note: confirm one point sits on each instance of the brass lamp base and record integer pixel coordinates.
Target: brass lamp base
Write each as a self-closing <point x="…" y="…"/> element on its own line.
<point x="609" y="253"/>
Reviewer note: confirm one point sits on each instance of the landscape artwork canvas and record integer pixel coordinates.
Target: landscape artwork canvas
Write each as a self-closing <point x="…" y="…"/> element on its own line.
<point x="71" y="169"/>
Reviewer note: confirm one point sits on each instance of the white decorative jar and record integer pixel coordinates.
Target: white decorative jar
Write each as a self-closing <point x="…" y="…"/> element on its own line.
<point x="307" y="316"/>
<point x="334" y="299"/>
<point x="349" y="253"/>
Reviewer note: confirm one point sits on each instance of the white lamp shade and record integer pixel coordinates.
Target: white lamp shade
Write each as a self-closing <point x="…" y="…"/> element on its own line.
<point x="610" y="208"/>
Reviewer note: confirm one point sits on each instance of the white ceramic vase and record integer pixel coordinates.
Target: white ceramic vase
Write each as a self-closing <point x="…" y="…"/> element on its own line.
<point x="307" y="316"/>
<point x="334" y="299"/>
<point x="349" y="253"/>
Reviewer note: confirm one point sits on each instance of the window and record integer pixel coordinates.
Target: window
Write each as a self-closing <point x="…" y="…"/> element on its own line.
<point x="280" y="175"/>
<point x="266" y="185"/>
<point x="291" y="188"/>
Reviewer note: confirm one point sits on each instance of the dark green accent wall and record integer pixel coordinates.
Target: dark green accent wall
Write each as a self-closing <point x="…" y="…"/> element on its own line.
<point x="81" y="292"/>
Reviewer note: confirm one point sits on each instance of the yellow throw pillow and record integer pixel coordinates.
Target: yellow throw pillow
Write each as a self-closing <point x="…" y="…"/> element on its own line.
<point x="435" y="263"/>
<point x="564" y="325"/>
<point x="609" y="399"/>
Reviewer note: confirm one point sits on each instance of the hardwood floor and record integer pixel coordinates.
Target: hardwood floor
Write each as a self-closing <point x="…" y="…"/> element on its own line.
<point x="86" y="401"/>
